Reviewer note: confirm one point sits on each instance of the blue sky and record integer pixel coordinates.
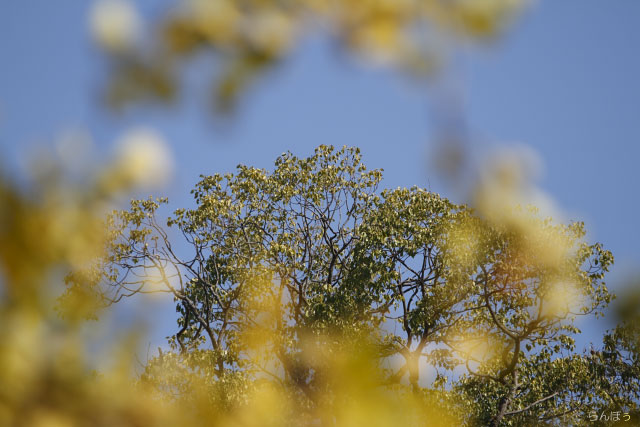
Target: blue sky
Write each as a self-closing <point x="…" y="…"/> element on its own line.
<point x="564" y="81"/>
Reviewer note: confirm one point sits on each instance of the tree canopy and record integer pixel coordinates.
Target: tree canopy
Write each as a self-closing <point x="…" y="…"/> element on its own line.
<point x="277" y="275"/>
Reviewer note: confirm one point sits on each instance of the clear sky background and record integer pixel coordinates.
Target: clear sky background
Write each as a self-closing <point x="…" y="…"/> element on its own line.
<point x="564" y="80"/>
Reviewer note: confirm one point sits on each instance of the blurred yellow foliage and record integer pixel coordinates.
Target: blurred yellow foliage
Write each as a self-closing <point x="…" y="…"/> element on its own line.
<point x="46" y="375"/>
<point x="251" y="35"/>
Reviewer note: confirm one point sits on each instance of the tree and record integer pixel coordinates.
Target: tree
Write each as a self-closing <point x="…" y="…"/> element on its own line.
<point x="314" y="256"/>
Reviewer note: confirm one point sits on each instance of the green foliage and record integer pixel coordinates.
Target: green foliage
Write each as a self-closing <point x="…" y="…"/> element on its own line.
<point x="314" y="254"/>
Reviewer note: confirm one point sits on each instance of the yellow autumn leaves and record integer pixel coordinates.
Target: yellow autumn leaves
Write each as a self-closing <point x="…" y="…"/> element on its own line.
<point x="249" y="36"/>
<point x="50" y="224"/>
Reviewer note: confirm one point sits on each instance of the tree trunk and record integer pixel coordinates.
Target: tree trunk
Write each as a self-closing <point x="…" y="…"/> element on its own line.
<point x="414" y="370"/>
<point x="505" y="402"/>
